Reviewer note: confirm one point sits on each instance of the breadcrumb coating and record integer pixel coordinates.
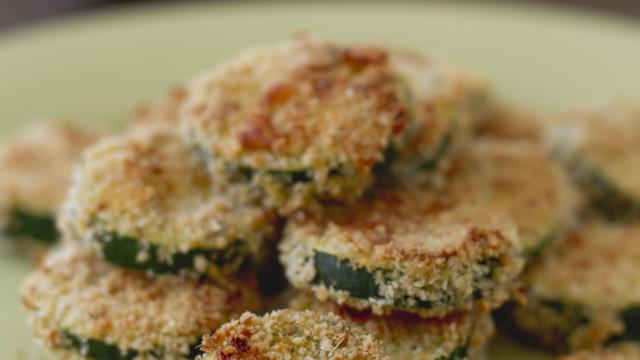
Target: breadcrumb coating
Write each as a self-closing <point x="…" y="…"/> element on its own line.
<point x="446" y="103"/>
<point x="426" y="255"/>
<point x="75" y="292"/>
<point x="601" y="143"/>
<point x="151" y="186"/>
<point x="624" y="351"/>
<point x="292" y="335"/>
<point x="517" y="177"/>
<point x="327" y="111"/>
<point x="510" y="123"/>
<point x="408" y="336"/>
<point x="36" y="165"/>
<point x="582" y="287"/>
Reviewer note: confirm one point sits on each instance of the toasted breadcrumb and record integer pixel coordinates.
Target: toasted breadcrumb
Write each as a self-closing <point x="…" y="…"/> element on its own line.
<point x="152" y="187"/>
<point x="408" y="336"/>
<point x="75" y="292"/>
<point x="579" y="291"/>
<point x="419" y="249"/>
<point x="36" y="165"/>
<point x="292" y="335"/>
<point x="160" y="112"/>
<point x="624" y="351"/>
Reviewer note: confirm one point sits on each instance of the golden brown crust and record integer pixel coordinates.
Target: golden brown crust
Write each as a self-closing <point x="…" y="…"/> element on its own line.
<point x="607" y="138"/>
<point x="75" y="292"/>
<point x="435" y="251"/>
<point x="519" y="178"/>
<point x="511" y="123"/>
<point x="151" y="186"/>
<point x="292" y="335"/>
<point x="36" y="165"/>
<point x="624" y="351"/>
<point x="408" y="336"/>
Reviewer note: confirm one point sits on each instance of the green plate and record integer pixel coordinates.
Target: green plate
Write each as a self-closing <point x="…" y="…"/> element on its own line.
<point x="95" y="68"/>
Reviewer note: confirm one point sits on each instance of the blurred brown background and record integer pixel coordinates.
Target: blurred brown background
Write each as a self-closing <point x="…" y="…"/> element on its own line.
<point x="21" y="12"/>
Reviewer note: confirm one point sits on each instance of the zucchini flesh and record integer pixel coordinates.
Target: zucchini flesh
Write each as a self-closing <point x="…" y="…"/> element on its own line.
<point x="100" y="350"/>
<point x="124" y="251"/>
<point x="341" y="274"/>
<point x="602" y="194"/>
<point x="25" y="224"/>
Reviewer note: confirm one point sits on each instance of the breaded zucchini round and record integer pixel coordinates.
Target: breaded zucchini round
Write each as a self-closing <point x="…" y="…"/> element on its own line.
<point x="291" y="335"/>
<point x="407" y="336"/>
<point x="601" y="147"/>
<point x="511" y="123"/>
<point x="585" y="291"/>
<point x="304" y="119"/>
<point x="404" y="249"/>
<point x="445" y="103"/>
<point x="82" y="307"/>
<point x="144" y="200"/>
<point x="519" y="178"/>
<point x="623" y="351"/>
<point x="36" y="169"/>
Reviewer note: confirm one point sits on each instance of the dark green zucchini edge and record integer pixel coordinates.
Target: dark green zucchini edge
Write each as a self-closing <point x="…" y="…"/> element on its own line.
<point x="340" y="274"/>
<point x="443" y="148"/>
<point x="123" y="251"/>
<point x="535" y="251"/>
<point x="603" y="195"/>
<point x="461" y="352"/>
<point x="22" y="224"/>
<point x="100" y="350"/>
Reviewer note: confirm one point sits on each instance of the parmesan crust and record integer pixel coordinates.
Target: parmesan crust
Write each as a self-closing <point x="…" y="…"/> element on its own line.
<point x="516" y="177"/>
<point x="36" y="165"/>
<point x="624" y="351"/>
<point x="418" y="248"/>
<point x="604" y="139"/>
<point x="152" y="187"/>
<point x="326" y="110"/>
<point x="511" y="123"/>
<point x="446" y="103"/>
<point x="292" y="335"/>
<point x="74" y="292"/>
<point x="407" y="336"/>
<point x="582" y="286"/>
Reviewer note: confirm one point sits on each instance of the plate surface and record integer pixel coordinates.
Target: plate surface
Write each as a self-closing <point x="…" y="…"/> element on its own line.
<point x="96" y="67"/>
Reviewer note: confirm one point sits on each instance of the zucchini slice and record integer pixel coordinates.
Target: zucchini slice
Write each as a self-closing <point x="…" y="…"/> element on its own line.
<point x="145" y="201"/>
<point x="23" y="224"/>
<point x="601" y="304"/>
<point x="130" y="253"/>
<point x="100" y="350"/>
<point x="358" y="253"/>
<point x="74" y="292"/>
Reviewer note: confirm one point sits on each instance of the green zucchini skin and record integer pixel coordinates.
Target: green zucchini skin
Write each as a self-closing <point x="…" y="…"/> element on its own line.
<point x="537" y="250"/>
<point x="441" y="151"/>
<point x="123" y="251"/>
<point x="603" y="195"/>
<point x="341" y="274"/>
<point x="459" y="353"/>
<point x="631" y="318"/>
<point x="28" y="225"/>
<point x="100" y="350"/>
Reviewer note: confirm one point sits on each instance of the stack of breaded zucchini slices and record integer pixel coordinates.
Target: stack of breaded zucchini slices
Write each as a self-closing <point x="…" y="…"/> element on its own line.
<point x="35" y="165"/>
<point x="83" y="307"/>
<point x="601" y="147"/>
<point x="144" y="200"/>
<point x="311" y="120"/>
<point x="405" y="249"/>
<point x="584" y="292"/>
